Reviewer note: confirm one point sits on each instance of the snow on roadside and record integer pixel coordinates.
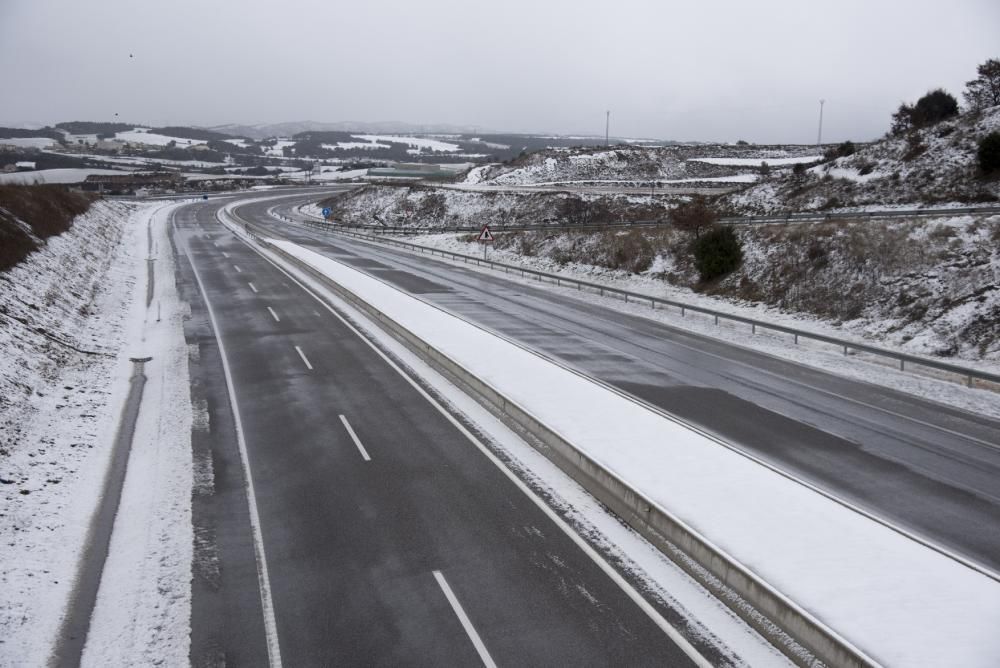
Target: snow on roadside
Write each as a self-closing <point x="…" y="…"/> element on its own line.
<point x="143" y="610"/>
<point x="59" y="413"/>
<point x="865" y="368"/>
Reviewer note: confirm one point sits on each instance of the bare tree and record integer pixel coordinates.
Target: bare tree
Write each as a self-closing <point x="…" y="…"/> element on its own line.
<point x="693" y="216"/>
<point x="984" y="90"/>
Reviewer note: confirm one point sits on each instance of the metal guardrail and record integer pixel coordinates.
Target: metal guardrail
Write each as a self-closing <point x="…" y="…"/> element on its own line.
<point x="970" y="375"/>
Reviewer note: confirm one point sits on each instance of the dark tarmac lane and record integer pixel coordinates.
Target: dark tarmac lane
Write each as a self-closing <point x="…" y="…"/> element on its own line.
<point x="390" y="538"/>
<point x="928" y="468"/>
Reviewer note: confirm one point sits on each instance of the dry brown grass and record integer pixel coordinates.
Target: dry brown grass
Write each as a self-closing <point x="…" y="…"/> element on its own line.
<point x="47" y="210"/>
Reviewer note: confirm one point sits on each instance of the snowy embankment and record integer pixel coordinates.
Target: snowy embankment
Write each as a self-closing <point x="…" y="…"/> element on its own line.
<point x="900" y="602"/>
<point x="72" y="314"/>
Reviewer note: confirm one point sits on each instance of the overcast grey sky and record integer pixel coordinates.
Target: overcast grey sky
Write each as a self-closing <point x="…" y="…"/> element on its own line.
<point x="696" y="70"/>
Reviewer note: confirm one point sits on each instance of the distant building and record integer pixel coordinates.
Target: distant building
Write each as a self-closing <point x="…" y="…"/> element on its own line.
<point x="24" y="166"/>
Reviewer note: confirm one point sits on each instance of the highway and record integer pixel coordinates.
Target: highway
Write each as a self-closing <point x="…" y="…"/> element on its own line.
<point x="376" y="532"/>
<point x="932" y="470"/>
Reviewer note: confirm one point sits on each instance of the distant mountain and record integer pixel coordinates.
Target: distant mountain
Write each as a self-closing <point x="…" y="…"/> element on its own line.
<point x="265" y="130"/>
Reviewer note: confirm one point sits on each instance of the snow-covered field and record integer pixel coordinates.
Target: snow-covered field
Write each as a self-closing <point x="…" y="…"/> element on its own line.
<point x="892" y="597"/>
<point x="59" y="413"/>
<point x="414" y="142"/>
<point x="69" y="175"/>
<point x="144" y="136"/>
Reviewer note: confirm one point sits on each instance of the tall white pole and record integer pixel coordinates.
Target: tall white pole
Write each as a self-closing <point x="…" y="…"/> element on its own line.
<point x="819" y="136"/>
<point x="607" y="127"/>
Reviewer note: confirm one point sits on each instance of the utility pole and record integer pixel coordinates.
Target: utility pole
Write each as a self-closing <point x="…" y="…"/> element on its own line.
<point x="819" y="136"/>
<point x="607" y="127"/>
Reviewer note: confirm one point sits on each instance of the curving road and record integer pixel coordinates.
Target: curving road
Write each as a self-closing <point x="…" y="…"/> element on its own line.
<point x="376" y="533"/>
<point x="930" y="469"/>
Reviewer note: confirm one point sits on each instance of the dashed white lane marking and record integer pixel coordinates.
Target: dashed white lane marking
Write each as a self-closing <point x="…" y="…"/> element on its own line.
<point x="237" y="268"/>
<point x="316" y="313"/>
<point x="252" y="287"/>
<point x="470" y="630"/>
<point x="225" y="254"/>
<point x="354" y="437"/>
<point x="304" y="359"/>
<point x="275" y="316"/>
<point x="555" y="518"/>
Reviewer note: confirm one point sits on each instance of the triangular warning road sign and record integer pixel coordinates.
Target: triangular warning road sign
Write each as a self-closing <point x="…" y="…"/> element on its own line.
<point x="486" y="235"/>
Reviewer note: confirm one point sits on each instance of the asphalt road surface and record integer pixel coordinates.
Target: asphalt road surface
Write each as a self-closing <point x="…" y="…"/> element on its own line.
<point x="390" y="539"/>
<point x="931" y="469"/>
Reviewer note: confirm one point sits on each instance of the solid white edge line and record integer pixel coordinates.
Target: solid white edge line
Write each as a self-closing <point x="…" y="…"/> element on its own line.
<point x="303" y="356"/>
<point x="675" y="636"/>
<point x="263" y="579"/>
<point x="354" y="437"/>
<point x="470" y="630"/>
<point x="273" y="314"/>
<point x="252" y="287"/>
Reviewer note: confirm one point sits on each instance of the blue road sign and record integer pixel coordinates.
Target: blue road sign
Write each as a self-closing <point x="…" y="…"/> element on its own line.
<point x="326" y="212"/>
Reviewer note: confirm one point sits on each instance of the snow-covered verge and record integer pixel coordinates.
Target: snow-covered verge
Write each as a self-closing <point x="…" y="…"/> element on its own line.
<point x="899" y="601"/>
<point x="930" y="166"/>
<point x="84" y="290"/>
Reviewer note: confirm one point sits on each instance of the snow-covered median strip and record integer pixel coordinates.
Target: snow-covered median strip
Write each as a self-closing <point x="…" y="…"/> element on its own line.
<point x="900" y="602"/>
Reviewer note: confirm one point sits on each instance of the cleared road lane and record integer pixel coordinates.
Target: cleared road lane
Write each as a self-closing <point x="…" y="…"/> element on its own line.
<point x="357" y="546"/>
<point x="926" y="467"/>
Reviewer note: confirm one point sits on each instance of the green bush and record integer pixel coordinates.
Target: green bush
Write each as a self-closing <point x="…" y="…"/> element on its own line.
<point x="989" y="153"/>
<point x="717" y="253"/>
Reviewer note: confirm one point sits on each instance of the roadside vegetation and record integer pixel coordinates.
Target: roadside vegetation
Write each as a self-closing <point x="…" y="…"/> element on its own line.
<point x="31" y="214"/>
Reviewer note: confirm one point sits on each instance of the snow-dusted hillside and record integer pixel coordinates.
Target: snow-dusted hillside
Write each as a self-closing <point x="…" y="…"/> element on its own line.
<point x="428" y="207"/>
<point x="931" y="166"/>
<point x="634" y="163"/>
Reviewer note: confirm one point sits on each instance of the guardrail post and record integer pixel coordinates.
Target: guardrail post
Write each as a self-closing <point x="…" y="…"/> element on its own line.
<point x="901" y="365"/>
<point x="682" y="311"/>
<point x="845" y="350"/>
<point x="626" y="298"/>
<point x="753" y="328"/>
<point x="796" y="339"/>
<point x="968" y="382"/>
<point x="716" y="321"/>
